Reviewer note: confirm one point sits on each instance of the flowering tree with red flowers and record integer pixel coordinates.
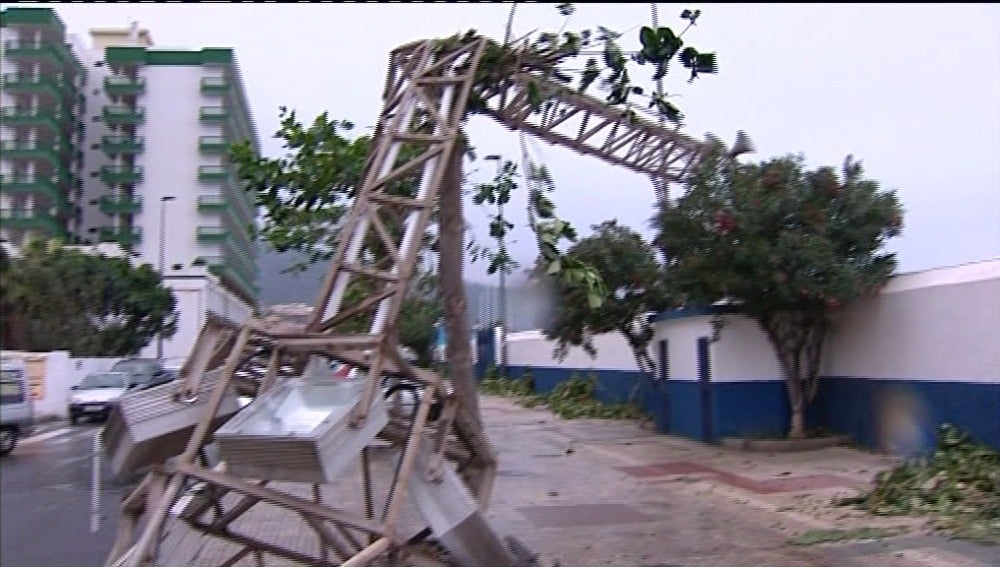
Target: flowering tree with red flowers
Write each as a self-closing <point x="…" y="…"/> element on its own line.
<point x="787" y="245"/>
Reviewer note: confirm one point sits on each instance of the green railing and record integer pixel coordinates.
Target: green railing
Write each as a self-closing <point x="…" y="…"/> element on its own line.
<point x="124" y="85"/>
<point x="115" y="145"/>
<point x="213" y="114"/>
<point x="121" y="204"/>
<point x="121" y="174"/>
<point x="121" y="114"/>
<point x="126" y="236"/>
<point x="214" y="85"/>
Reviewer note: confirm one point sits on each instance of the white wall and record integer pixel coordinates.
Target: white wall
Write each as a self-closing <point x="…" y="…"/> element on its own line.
<point x="530" y="348"/>
<point x="682" y="339"/>
<point x="60" y="371"/>
<point x="741" y="354"/>
<point x="197" y="296"/>
<point x="170" y="165"/>
<point x="93" y="157"/>
<point x="940" y="324"/>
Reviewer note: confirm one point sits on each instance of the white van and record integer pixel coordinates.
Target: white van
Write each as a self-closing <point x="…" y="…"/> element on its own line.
<point x="17" y="416"/>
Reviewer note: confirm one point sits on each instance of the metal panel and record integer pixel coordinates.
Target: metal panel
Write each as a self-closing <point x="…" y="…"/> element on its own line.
<point x="151" y="426"/>
<point x="454" y="515"/>
<point x="300" y="431"/>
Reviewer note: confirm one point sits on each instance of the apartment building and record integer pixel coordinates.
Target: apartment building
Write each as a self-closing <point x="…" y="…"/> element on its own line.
<point x="129" y="143"/>
<point x="166" y="188"/>
<point x="41" y="130"/>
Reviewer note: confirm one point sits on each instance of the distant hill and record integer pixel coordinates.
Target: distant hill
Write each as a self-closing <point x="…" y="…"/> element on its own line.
<point x="277" y="287"/>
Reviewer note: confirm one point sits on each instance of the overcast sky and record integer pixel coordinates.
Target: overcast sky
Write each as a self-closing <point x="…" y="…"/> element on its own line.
<point x="911" y="90"/>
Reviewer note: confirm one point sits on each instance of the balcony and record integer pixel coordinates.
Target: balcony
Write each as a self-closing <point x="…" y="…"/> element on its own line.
<point x="124" y="56"/>
<point x="122" y="85"/>
<point x="26" y="219"/>
<point x="212" y="233"/>
<point x="120" y="205"/>
<point x="212" y="144"/>
<point x="14" y="149"/>
<point x="23" y="50"/>
<point x="234" y="277"/>
<point x="14" y="116"/>
<point x="52" y="186"/>
<point x="121" y="174"/>
<point x="213" y="114"/>
<point x="210" y="261"/>
<point x="126" y="236"/>
<point x="212" y="173"/>
<point x="214" y="85"/>
<point x="17" y="83"/>
<point x="212" y="203"/>
<point x="123" y="115"/>
<point x="122" y="145"/>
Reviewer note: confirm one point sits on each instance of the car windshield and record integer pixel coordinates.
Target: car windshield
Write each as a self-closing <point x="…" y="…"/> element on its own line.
<point x="136" y="366"/>
<point x="104" y="380"/>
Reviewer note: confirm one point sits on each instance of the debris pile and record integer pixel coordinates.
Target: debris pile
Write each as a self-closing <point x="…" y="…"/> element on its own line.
<point x="958" y="486"/>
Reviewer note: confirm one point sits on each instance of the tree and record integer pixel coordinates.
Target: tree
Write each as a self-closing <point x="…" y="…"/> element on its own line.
<point x="57" y="298"/>
<point x="788" y="245"/>
<point x="305" y="193"/>
<point x="632" y="275"/>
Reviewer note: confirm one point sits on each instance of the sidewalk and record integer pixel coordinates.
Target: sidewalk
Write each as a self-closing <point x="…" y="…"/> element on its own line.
<point x="598" y="492"/>
<point x="587" y="493"/>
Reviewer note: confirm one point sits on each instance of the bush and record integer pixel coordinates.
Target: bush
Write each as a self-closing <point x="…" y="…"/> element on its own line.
<point x="571" y="398"/>
<point x="574" y="398"/>
<point x="493" y="384"/>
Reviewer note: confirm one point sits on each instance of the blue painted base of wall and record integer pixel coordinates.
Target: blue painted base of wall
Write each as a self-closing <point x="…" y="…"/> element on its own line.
<point x="866" y="410"/>
<point x="856" y="407"/>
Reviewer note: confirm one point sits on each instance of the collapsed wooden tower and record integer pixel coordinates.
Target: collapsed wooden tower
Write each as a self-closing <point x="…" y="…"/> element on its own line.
<point x="445" y="465"/>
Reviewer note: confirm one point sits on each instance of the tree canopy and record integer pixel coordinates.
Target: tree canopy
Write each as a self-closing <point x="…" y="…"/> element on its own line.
<point x="787" y="244"/>
<point x="58" y="298"/>
<point x="628" y="266"/>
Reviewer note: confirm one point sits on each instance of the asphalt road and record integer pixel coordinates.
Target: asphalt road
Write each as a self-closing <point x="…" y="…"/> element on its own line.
<point x="45" y="501"/>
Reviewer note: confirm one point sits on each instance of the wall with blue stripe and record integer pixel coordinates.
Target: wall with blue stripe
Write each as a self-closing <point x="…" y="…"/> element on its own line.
<point x="922" y="353"/>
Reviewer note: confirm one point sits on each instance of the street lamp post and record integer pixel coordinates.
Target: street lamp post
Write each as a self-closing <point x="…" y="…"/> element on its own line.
<point x="502" y="246"/>
<point x="160" y="260"/>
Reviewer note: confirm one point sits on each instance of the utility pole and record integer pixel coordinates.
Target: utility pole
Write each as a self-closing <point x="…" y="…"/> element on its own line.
<point x="502" y="250"/>
<point x="160" y="260"/>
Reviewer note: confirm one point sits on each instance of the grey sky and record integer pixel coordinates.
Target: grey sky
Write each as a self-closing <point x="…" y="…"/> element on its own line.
<point x="912" y="90"/>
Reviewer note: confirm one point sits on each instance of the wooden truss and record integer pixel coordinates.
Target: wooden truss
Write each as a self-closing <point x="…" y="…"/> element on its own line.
<point x="425" y="102"/>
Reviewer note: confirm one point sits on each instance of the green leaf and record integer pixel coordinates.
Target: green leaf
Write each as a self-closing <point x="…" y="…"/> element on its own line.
<point x="534" y="95"/>
<point x="649" y="38"/>
<point x="590" y="73"/>
<point x="594" y="299"/>
<point x="554" y="268"/>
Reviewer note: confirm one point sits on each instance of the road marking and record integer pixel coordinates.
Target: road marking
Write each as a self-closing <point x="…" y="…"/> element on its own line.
<point x="44" y="436"/>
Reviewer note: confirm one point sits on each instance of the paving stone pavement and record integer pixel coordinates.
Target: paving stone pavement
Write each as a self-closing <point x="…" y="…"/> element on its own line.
<point x="585" y="493"/>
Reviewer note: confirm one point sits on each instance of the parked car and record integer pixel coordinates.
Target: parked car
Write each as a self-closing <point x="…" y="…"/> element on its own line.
<point x="16" y="409"/>
<point x="97" y="394"/>
<point x="144" y="372"/>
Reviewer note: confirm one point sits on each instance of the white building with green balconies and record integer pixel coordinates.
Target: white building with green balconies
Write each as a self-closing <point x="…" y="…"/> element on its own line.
<point x="41" y="132"/>
<point x="123" y="143"/>
<point x="162" y="185"/>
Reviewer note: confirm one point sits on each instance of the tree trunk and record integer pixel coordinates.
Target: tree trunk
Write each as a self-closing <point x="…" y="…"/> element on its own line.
<point x="797" y="339"/>
<point x="798" y="426"/>
<point x="456" y="320"/>
<point x="480" y="472"/>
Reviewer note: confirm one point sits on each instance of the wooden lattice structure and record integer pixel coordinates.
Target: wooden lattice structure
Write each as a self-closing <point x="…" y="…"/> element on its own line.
<point x="425" y="102"/>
